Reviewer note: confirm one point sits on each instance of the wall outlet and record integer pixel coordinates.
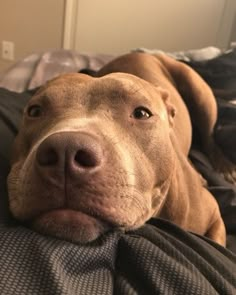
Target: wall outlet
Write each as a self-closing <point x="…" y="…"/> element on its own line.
<point x="8" y="50"/>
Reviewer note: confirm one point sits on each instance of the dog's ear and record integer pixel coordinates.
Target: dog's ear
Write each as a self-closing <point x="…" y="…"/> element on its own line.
<point x="170" y="108"/>
<point x="195" y="92"/>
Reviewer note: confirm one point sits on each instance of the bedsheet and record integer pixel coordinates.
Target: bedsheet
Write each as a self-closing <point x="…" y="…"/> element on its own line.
<point x="35" y="69"/>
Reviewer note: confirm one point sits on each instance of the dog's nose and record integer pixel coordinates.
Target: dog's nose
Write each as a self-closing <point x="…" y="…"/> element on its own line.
<point x="73" y="152"/>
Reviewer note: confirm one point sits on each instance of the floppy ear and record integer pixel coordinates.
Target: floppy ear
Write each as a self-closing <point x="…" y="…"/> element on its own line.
<point x="196" y="94"/>
<point x="203" y="111"/>
<point x="170" y="108"/>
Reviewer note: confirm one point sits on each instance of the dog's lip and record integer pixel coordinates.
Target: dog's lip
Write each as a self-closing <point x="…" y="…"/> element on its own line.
<point x="69" y="224"/>
<point x="72" y="216"/>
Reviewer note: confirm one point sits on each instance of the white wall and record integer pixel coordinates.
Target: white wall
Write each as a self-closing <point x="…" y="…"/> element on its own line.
<point x="32" y="25"/>
<point x="116" y="26"/>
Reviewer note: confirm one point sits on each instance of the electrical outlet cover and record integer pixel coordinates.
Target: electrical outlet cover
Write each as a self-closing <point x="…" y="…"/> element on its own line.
<point x="7" y="50"/>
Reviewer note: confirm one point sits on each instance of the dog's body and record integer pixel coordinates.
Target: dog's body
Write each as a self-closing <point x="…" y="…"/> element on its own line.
<point x="99" y="153"/>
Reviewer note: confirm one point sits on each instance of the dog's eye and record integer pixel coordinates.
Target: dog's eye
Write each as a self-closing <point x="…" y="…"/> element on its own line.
<point x="34" y="111"/>
<point x="141" y="113"/>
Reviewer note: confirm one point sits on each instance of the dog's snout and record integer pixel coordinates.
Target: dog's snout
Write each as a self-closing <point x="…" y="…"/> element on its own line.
<point x="75" y="152"/>
<point x="86" y="158"/>
<point x="47" y="155"/>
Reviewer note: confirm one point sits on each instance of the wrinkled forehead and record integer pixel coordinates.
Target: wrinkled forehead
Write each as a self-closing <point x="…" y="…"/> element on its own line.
<point x="118" y="87"/>
<point x="113" y="88"/>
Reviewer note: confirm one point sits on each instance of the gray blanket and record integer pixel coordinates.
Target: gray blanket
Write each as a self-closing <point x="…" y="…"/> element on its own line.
<point x="156" y="259"/>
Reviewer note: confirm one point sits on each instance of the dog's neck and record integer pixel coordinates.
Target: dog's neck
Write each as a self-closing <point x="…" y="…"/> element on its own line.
<point x="180" y="191"/>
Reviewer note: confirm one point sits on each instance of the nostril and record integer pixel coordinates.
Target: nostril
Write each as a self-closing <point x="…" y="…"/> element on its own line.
<point x="73" y="152"/>
<point x="86" y="158"/>
<point x="47" y="157"/>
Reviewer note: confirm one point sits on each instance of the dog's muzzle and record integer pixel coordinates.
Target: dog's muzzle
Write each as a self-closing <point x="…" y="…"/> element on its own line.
<point x="76" y="154"/>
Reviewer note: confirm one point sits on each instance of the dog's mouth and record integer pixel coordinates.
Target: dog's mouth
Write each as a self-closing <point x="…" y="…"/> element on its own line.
<point x="71" y="225"/>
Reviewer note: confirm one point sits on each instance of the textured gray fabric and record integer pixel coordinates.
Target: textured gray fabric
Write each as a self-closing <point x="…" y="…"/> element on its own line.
<point x="33" y="264"/>
<point x="156" y="259"/>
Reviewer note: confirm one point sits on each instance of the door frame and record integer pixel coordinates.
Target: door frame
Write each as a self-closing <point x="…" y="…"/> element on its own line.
<point x="70" y="23"/>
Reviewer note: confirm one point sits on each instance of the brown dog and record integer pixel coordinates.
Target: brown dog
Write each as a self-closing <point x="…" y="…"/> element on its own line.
<point x="111" y="152"/>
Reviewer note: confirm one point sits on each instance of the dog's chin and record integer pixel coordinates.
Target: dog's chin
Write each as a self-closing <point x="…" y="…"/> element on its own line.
<point x="70" y="225"/>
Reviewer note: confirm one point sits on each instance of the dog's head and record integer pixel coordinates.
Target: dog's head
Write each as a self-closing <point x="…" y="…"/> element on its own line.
<point x="92" y="154"/>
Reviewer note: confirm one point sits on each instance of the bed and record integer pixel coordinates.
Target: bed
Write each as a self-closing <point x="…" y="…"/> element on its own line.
<point x="158" y="258"/>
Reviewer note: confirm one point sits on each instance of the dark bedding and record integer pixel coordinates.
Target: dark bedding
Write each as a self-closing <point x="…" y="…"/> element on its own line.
<point x="158" y="258"/>
<point x="220" y="74"/>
